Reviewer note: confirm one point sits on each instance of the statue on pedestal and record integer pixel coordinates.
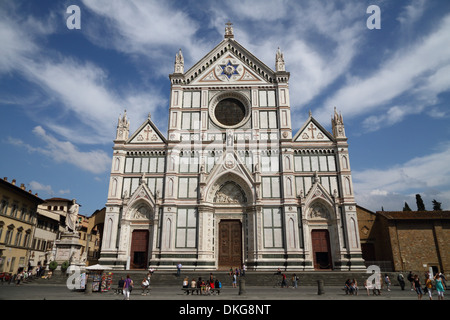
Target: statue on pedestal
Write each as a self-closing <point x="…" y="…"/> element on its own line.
<point x="72" y="215"/>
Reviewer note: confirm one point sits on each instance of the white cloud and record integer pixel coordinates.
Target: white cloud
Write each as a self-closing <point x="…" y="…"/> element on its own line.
<point x="408" y="71"/>
<point x="62" y="192"/>
<point x="82" y="91"/>
<point x="394" y="115"/>
<point x="412" y="13"/>
<point x="429" y="175"/>
<point x="36" y="186"/>
<point x="95" y="161"/>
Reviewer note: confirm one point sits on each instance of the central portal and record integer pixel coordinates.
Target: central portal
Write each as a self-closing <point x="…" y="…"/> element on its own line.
<point x="230" y="244"/>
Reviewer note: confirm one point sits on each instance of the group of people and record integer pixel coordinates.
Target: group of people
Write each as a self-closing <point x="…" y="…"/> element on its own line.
<point x="284" y="281"/>
<point x="201" y="286"/>
<point x="437" y="282"/>
<point x="351" y="287"/>
<point x="127" y="284"/>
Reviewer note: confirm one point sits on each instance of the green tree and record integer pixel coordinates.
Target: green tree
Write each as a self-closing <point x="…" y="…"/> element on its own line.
<point x="406" y="207"/>
<point x="53" y="265"/>
<point x="420" y="204"/>
<point x="436" y="205"/>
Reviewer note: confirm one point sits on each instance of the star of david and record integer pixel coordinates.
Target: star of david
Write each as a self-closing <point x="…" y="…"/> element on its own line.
<point x="229" y="69"/>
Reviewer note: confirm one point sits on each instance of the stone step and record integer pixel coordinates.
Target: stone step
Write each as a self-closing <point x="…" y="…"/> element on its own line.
<point x="252" y="278"/>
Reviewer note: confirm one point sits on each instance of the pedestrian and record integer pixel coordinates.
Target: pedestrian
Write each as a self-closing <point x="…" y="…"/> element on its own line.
<point x="387" y="281"/>
<point x="401" y="281"/>
<point x="179" y="266"/>
<point x="244" y="268"/>
<point x="417" y="287"/>
<point x="218" y="285"/>
<point x="127" y="287"/>
<point x="199" y="285"/>
<point x="439" y="286"/>
<point x="429" y="287"/>
<point x="145" y="284"/>
<point x="294" y="281"/>
<point x="193" y="286"/>
<point x="234" y="280"/>
<point x="120" y="285"/>
<point x="411" y="280"/>
<point x="442" y="276"/>
<point x="283" y="281"/>
<point x="347" y="287"/>
<point x="203" y="287"/>
<point x="354" y="286"/>
<point x="186" y="283"/>
<point x="377" y="286"/>
<point x="368" y="285"/>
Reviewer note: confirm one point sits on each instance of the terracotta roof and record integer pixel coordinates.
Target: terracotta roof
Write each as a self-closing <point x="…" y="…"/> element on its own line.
<point x="58" y="199"/>
<point x="415" y="215"/>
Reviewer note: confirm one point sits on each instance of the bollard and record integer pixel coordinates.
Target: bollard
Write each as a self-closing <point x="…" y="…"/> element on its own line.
<point x="241" y="286"/>
<point x="320" y="289"/>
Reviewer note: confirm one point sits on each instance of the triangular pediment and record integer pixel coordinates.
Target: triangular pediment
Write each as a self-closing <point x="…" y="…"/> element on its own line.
<point x="229" y="62"/>
<point x="229" y="168"/>
<point x="147" y="133"/>
<point x="141" y="203"/>
<point x="228" y="69"/>
<point x="312" y="131"/>
<point x="230" y="161"/>
<point x="318" y="192"/>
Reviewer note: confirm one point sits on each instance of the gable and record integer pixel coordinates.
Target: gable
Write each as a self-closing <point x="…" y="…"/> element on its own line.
<point x="228" y="69"/>
<point x="228" y="63"/>
<point x="147" y="133"/>
<point x="312" y="131"/>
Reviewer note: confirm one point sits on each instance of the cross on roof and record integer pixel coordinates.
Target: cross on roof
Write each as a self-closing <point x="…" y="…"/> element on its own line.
<point x="229" y="30"/>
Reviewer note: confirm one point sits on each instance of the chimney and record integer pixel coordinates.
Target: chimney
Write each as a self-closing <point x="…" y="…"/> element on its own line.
<point x="14" y="182"/>
<point x="22" y="186"/>
<point x="5" y="178"/>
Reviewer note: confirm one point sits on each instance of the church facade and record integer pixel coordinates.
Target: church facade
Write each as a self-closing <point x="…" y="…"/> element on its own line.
<point x="231" y="184"/>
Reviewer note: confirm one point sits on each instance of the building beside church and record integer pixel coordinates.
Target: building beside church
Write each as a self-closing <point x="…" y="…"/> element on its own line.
<point x="231" y="184"/>
<point x="17" y="226"/>
<point x="406" y="240"/>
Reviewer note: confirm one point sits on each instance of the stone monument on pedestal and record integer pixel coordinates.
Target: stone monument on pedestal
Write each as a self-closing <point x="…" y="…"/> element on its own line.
<point x="68" y="248"/>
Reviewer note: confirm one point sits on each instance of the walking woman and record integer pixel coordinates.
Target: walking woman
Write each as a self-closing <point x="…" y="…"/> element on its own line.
<point x="439" y="287"/>
<point x="417" y="287"/>
<point x="127" y="287"/>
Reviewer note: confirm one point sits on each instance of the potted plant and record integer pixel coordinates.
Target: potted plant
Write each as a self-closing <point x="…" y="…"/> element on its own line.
<point x="53" y="265"/>
<point x="64" y="266"/>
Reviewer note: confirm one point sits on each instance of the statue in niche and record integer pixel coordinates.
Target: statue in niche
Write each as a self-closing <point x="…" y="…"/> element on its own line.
<point x="318" y="212"/>
<point x="141" y="213"/>
<point x="230" y="193"/>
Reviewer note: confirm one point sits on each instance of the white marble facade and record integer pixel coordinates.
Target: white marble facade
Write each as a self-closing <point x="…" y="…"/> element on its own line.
<point x="230" y="156"/>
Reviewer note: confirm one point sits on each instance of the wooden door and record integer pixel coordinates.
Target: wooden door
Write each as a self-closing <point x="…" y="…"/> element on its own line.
<point x="321" y="249"/>
<point x="139" y="249"/>
<point x="230" y="244"/>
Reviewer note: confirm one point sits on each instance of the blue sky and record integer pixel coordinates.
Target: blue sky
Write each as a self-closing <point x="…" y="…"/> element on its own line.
<point x="61" y="90"/>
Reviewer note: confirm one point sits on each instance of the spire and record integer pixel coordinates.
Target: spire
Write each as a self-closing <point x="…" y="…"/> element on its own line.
<point x="229" y="30"/>
<point x="123" y="127"/>
<point x="179" y="62"/>
<point x="337" y="124"/>
<point x="279" y="61"/>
